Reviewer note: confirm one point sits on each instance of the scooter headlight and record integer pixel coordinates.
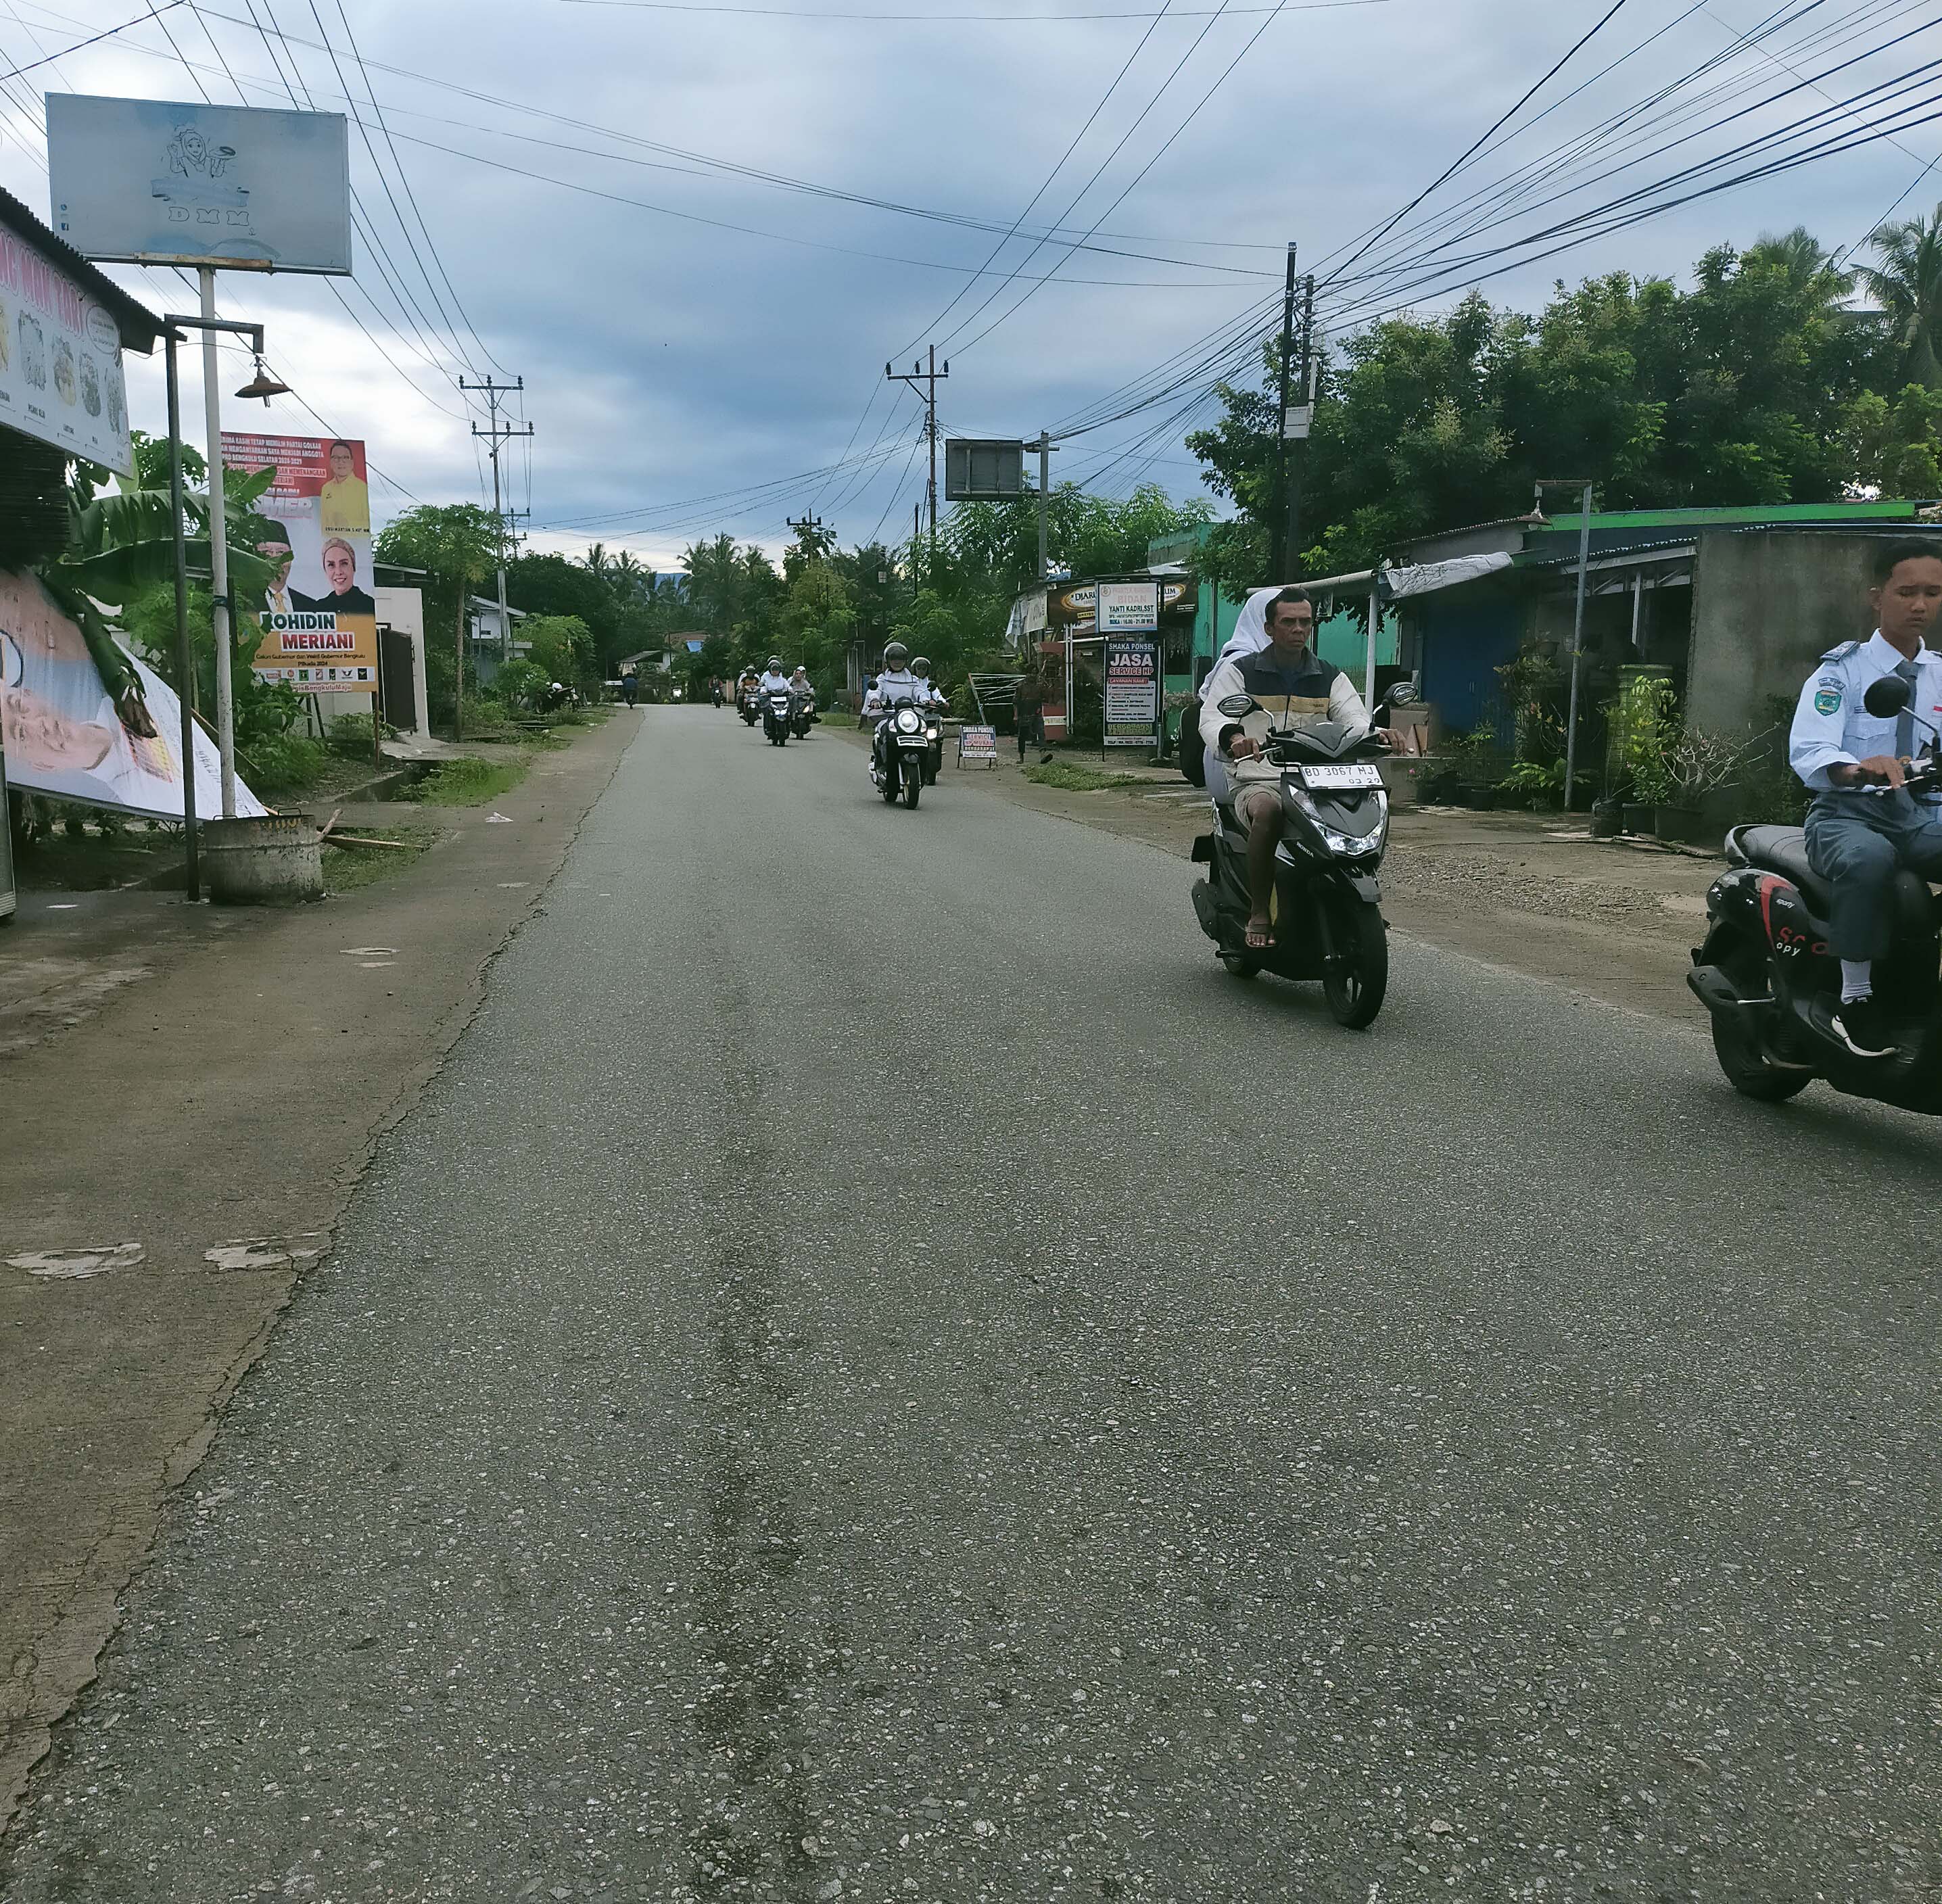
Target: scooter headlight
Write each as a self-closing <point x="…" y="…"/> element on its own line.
<point x="907" y="721"/>
<point x="1349" y="846"/>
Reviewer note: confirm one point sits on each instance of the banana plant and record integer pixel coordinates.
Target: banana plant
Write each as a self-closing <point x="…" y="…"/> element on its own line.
<point x="122" y="542"/>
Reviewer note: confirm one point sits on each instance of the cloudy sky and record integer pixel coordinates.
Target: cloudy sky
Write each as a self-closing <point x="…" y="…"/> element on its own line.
<point x="704" y="348"/>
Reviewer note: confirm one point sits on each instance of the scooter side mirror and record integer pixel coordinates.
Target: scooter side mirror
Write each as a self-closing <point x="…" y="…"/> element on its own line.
<point x="1403" y="694"/>
<point x="1238" y="707"/>
<point x="1887" y="697"/>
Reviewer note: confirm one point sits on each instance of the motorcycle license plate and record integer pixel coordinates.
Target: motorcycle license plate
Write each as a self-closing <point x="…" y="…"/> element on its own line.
<point x="1340" y="779"/>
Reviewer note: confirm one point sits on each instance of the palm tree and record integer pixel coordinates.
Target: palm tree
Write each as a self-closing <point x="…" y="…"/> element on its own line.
<point x="1806" y="264"/>
<point x="1908" y="285"/>
<point x="627" y="574"/>
<point x="597" y="559"/>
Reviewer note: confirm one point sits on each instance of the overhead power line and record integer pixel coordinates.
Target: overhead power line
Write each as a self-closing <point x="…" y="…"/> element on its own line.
<point x="140" y="20"/>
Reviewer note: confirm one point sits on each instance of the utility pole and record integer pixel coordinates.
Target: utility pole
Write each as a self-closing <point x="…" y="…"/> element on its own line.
<point x="1278" y="536"/>
<point x="809" y="525"/>
<point x="498" y="435"/>
<point x="1577" y="620"/>
<point x="1043" y="446"/>
<point x="930" y="379"/>
<point x="1295" y="429"/>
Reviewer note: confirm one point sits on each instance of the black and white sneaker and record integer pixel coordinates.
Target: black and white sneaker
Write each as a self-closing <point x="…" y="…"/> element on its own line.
<point x="1861" y="1025"/>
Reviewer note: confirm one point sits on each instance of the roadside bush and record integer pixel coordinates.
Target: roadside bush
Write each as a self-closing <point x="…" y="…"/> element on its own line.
<point x="350" y="736"/>
<point x="281" y="764"/>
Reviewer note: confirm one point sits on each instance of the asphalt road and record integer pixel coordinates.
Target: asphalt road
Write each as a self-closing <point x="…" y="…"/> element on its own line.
<point x="878" y="1372"/>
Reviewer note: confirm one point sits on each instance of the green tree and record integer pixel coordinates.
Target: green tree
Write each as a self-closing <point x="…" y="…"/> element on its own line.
<point x="458" y="545"/>
<point x="562" y="647"/>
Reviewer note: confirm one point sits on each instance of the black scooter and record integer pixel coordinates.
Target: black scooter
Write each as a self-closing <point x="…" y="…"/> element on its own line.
<point x="1769" y="979"/>
<point x="1327" y="912"/>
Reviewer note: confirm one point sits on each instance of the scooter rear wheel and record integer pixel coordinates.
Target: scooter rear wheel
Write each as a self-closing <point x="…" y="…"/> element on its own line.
<point x="1241" y="965"/>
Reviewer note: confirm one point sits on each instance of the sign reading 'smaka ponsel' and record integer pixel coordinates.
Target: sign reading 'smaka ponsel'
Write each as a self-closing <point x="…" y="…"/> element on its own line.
<point x="319" y="617"/>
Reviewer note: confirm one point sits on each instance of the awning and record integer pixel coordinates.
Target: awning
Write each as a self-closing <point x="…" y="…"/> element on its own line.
<point x="1425" y="578"/>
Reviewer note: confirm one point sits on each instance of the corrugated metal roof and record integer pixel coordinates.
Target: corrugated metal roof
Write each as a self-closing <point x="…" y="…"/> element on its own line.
<point x="139" y="326"/>
<point x="1665" y="546"/>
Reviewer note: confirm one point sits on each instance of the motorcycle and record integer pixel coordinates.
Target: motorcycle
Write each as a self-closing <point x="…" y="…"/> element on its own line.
<point x="747" y="706"/>
<point x="901" y="752"/>
<point x="776" y="716"/>
<point x="803" y="717"/>
<point x="1326" y="915"/>
<point x="1769" y="981"/>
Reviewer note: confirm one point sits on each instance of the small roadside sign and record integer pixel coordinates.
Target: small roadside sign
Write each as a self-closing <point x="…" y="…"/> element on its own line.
<point x="977" y="747"/>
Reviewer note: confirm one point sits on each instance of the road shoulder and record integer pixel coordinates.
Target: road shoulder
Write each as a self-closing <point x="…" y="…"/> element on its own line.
<point x="222" y="1094"/>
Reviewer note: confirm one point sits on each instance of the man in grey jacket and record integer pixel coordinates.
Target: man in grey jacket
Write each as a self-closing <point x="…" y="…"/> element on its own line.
<point x="1290" y="683"/>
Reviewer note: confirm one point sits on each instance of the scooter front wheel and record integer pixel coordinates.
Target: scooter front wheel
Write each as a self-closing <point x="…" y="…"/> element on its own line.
<point x="913" y="783"/>
<point x="1357" y="977"/>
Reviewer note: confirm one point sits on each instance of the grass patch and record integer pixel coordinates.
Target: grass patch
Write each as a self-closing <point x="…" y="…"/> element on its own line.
<point x="1068" y="779"/>
<point x="467" y="782"/>
<point x="345" y="868"/>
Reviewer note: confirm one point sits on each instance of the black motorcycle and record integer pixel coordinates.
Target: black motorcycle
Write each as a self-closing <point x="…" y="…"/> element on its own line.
<point x="804" y="716"/>
<point x="776" y="715"/>
<point x="900" y="754"/>
<point x="1770" y="980"/>
<point x="748" y="706"/>
<point x="1326" y="917"/>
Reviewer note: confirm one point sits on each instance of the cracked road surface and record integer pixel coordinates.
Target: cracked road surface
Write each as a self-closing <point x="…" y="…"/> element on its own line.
<point x="876" y="1371"/>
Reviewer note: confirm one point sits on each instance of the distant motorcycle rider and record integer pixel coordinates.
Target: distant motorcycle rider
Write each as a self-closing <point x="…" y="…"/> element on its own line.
<point x="935" y="701"/>
<point x="898" y="685"/>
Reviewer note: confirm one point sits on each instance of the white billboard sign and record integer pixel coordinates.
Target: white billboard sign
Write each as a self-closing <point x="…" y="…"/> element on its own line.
<point x="1128" y="607"/>
<point x="60" y="360"/>
<point x="151" y="182"/>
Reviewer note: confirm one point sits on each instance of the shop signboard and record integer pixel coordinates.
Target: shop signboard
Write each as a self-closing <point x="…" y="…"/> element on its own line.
<point x="60" y="360"/>
<point x="1128" y="607"/>
<point x="1132" y="691"/>
<point x="319" y="617"/>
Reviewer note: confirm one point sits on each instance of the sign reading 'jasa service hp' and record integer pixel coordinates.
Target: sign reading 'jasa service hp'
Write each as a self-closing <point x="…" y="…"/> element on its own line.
<point x="156" y="182"/>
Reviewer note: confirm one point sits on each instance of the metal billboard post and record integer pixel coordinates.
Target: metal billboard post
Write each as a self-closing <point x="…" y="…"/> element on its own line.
<point x="219" y="549"/>
<point x="184" y="648"/>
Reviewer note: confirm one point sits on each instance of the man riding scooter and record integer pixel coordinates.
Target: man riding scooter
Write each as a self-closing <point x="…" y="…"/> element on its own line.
<point x="1857" y="839"/>
<point x="1292" y="683"/>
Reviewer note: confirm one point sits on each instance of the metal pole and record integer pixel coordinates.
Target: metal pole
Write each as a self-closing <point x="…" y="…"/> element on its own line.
<point x="219" y="550"/>
<point x="184" y="647"/>
<point x="1577" y="649"/>
<point x="1044" y="485"/>
<point x="1277" y="536"/>
<point x="930" y="429"/>
<point x="1298" y="455"/>
<point x="1369" y="655"/>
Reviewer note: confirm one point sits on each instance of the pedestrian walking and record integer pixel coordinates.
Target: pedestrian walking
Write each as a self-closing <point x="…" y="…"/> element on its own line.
<point x="1028" y="704"/>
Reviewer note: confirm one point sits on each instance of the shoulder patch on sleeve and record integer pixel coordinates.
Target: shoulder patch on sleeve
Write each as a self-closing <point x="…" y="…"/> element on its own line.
<point x="1827" y="697"/>
<point x="1842" y="652"/>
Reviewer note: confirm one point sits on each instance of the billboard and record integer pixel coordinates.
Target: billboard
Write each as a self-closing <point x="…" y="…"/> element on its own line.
<point x="1131" y="692"/>
<point x="63" y="733"/>
<point x="320" y="617"/>
<point x="151" y="182"/>
<point x="60" y="360"/>
<point x="983" y="469"/>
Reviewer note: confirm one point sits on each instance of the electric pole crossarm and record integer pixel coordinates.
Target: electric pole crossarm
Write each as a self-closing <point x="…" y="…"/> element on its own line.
<point x="930" y="378"/>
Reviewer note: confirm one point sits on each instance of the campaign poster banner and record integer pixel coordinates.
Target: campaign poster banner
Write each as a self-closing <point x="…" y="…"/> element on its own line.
<point x="1128" y="607"/>
<point x="62" y="734"/>
<point x="60" y="360"/>
<point x="1132" y="692"/>
<point x="319" y="615"/>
